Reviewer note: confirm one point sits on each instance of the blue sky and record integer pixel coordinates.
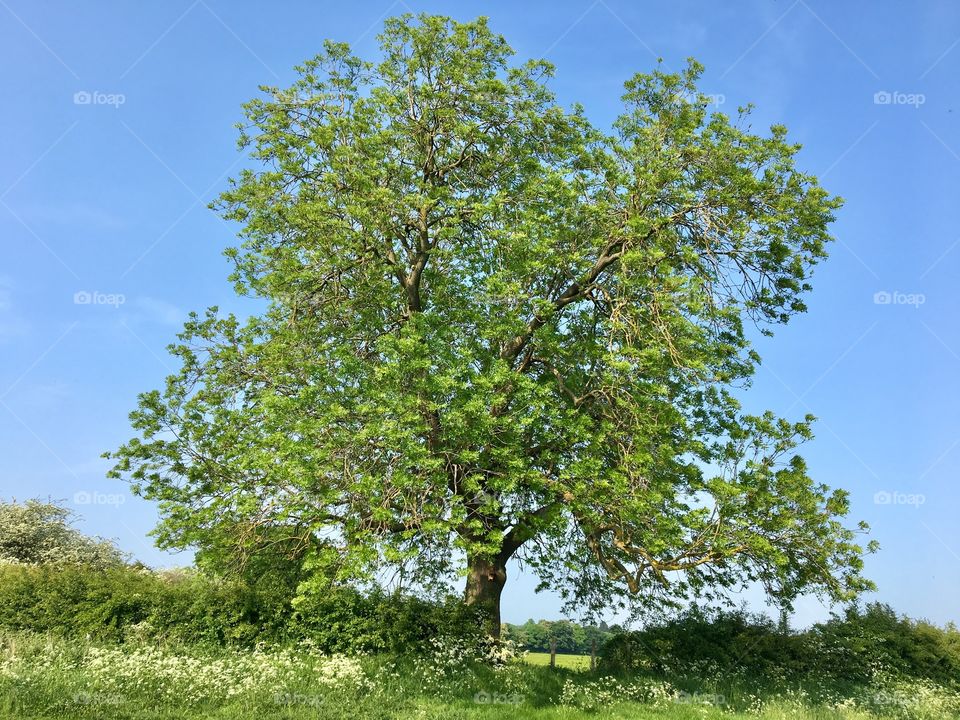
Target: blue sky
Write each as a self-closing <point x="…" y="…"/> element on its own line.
<point x="117" y="131"/>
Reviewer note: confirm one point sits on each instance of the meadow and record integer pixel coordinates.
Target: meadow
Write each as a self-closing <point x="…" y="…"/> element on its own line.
<point x="45" y="677"/>
<point x="563" y="660"/>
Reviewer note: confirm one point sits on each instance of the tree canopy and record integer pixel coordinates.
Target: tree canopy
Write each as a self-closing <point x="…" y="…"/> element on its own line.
<point x="496" y="331"/>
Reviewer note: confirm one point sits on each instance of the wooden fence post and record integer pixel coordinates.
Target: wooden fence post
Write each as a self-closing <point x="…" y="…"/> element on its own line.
<point x="553" y="652"/>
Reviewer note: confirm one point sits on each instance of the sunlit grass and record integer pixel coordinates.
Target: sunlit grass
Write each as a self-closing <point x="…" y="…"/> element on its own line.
<point x="570" y="662"/>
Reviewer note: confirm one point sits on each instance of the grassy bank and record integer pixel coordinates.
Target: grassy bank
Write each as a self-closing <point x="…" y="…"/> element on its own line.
<point x="43" y="677"/>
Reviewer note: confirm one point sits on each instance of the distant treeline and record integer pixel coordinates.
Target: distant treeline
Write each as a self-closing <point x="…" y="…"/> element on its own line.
<point x="570" y="637"/>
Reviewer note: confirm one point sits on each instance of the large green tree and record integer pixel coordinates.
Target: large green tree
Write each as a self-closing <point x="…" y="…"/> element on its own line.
<point x="495" y="331"/>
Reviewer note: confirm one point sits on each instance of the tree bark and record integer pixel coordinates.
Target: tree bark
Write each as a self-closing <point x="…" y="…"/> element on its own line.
<point x="485" y="580"/>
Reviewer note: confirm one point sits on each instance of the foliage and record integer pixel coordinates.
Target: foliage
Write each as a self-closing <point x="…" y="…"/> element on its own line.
<point x="132" y="602"/>
<point x="151" y="677"/>
<point x="861" y="641"/>
<point x="130" y="605"/>
<point x="609" y="690"/>
<point x="735" y="640"/>
<point x="342" y="619"/>
<point x="185" y="607"/>
<point x="496" y="330"/>
<point x="859" y="646"/>
<point x="37" y="532"/>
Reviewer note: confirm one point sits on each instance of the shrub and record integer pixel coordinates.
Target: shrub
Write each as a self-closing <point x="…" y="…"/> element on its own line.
<point x="37" y="532"/>
<point x="191" y="608"/>
<point x="856" y="647"/>
<point x="704" y="639"/>
<point x="73" y="600"/>
<point x="342" y="619"/>
<point x="865" y="641"/>
<point x="130" y="602"/>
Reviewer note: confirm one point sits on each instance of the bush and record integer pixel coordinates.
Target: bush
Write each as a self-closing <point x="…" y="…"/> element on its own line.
<point x="732" y="641"/>
<point x="37" y="532"/>
<point x="72" y="600"/>
<point x="129" y="602"/>
<point x="856" y="647"/>
<point x="188" y="607"/>
<point x="342" y="619"/>
<point x="862" y="642"/>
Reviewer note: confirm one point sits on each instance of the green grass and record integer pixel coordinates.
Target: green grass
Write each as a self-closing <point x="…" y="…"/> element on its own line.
<point x="414" y="708"/>
<point x="570" y="662"/>
<point x="403" y="708"/>
<point x="46" y="677"/>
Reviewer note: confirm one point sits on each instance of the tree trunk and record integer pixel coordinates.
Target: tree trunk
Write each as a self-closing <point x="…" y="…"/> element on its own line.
<point x="485" y="581"/>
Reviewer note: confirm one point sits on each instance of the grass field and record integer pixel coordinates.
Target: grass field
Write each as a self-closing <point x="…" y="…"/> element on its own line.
<point x="417" y="709"/>
<point x="45" y="677"/>
<point x="570" y="662"/>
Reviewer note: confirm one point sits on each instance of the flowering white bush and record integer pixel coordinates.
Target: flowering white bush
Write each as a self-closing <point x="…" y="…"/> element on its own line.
<point x="40" y="533"/>
<point x="611" y="691"/>
<point x="168" y="676"/>
<point x="195" y="679"/>
<point x="21" y="659"/>
<point x="342" y="672"/>
<point x="909" y="700"/>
